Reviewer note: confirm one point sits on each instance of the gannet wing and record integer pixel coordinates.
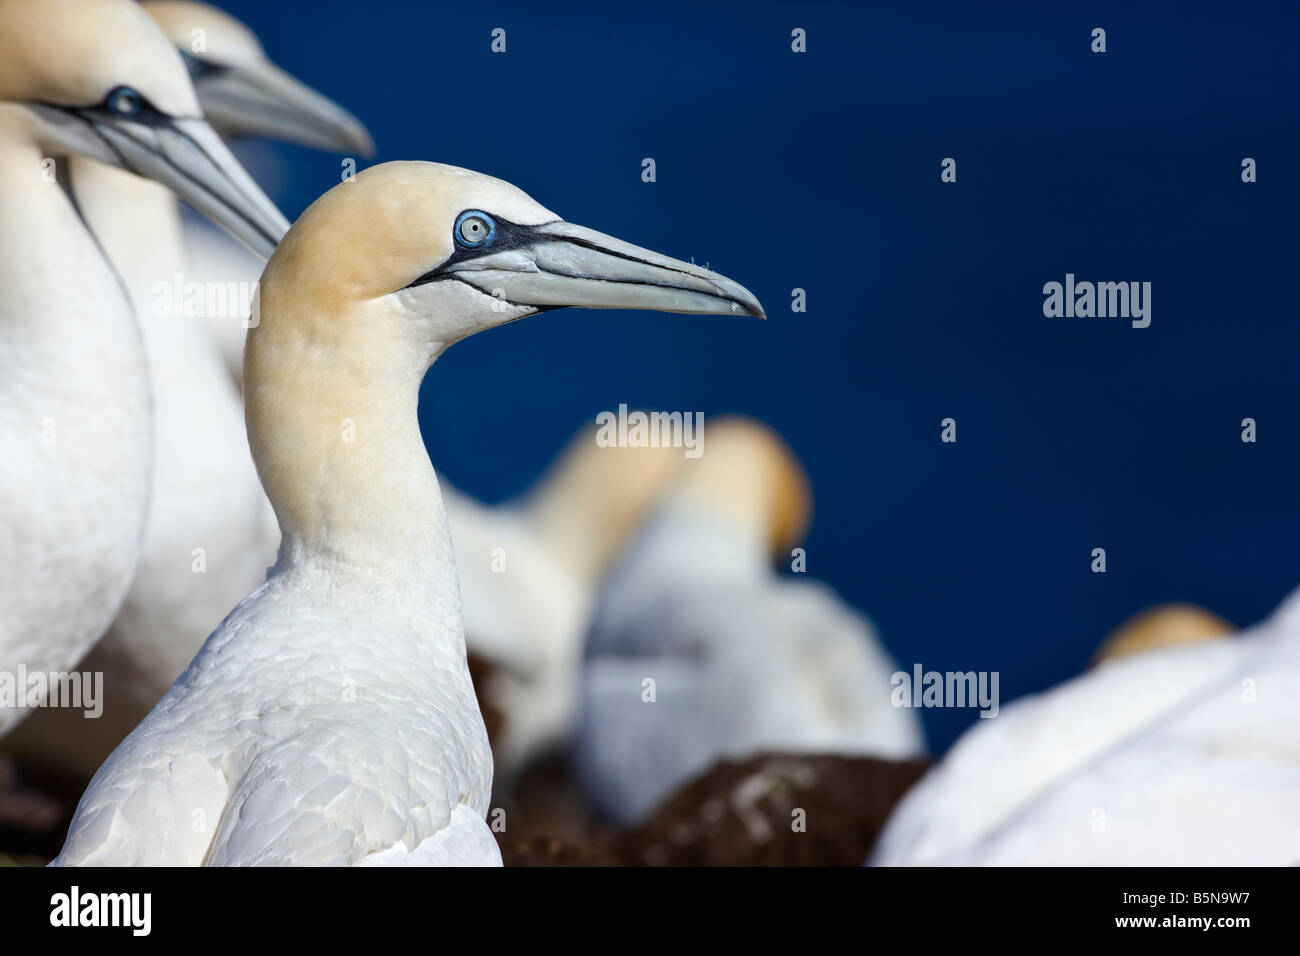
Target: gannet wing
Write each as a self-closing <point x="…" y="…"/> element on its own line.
<point x="317" y="799"/>
<point x="465" y="841"/>
<point x="158" y="814"/>
<point x="324" y="796"/>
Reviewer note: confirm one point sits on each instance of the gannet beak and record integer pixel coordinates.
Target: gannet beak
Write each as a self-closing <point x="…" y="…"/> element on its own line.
<point x="559" y="264"/>
<point x="187" y="156"/>
<point x="264" y="100"/>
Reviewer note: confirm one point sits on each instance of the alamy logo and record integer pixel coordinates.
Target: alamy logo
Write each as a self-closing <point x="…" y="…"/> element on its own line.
<point x="74" y="908"/>
<point x="947" y="689"/>
<point x="1102" y="300"/>
<point x="638" y="429"/>
<point x="179" y="299"/>
<point x="19" y="690"/>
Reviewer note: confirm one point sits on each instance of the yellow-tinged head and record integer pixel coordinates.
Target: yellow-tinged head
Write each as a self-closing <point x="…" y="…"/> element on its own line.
<point x="245" y="94"/>
<point x="453" y="252"/>
<point x="73" y="53"/>
<point x="206" y="33"/>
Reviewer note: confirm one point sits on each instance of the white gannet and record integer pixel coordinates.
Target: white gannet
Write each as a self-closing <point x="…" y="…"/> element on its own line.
<point x="210" y="534"/>
<point x="331" y="718"/>
<point x="742" y="661"/>
<point x="94" y="78"/>
<point x="1187" y="755"/>
<point x="529" y="575"/>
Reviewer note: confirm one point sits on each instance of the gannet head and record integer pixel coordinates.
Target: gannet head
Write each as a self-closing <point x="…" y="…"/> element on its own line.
<point x="99" y="79"/>
<point x="245" y="94"/>
<point x="459" y="252"/>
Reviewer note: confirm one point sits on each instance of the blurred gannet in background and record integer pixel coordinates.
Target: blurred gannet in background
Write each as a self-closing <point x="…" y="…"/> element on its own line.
<point x="210" y="534"/>
<point x="1186" y="755"/>
<point x="93" y="78"/>
<point x="529" y="574"/>
<point x="331" y="718"/>
<point x="245" y="94"/>
<point x="743" y="661"/>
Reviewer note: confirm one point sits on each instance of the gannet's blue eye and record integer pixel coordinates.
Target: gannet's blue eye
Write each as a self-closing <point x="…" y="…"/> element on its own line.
<point x="125" y="101"/>
<point x="474" y="229"/>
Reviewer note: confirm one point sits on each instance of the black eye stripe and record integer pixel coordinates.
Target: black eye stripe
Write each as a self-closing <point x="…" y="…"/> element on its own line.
<point x="508" y="235"/>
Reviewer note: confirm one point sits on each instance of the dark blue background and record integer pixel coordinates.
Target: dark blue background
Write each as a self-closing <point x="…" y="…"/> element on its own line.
<point x="821" y="171"/>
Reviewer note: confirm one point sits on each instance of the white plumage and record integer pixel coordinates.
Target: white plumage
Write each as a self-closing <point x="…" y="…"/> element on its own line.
<point x="1182" y="756"/>
<point x="290" y="741"/>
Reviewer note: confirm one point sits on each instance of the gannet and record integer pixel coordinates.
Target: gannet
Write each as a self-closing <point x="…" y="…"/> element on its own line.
<point x="330" y="718"/>
<point x="1187" y="755"/>
<point x="529" y="572"/>
<point x="210" y="534"/>
<point x="740" y="660"/>
<point x="92" y="78"/>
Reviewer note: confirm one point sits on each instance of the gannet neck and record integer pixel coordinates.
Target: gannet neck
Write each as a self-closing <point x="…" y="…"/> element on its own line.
<point x="593" y="499"/>
<point x="56" y="277"/>
<point x="330" y="403"/>
<point x="748" y="476"/>
<point x="138" y="224"/>
<point x="226" y="40"/>
<point x="205" y="492"/>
